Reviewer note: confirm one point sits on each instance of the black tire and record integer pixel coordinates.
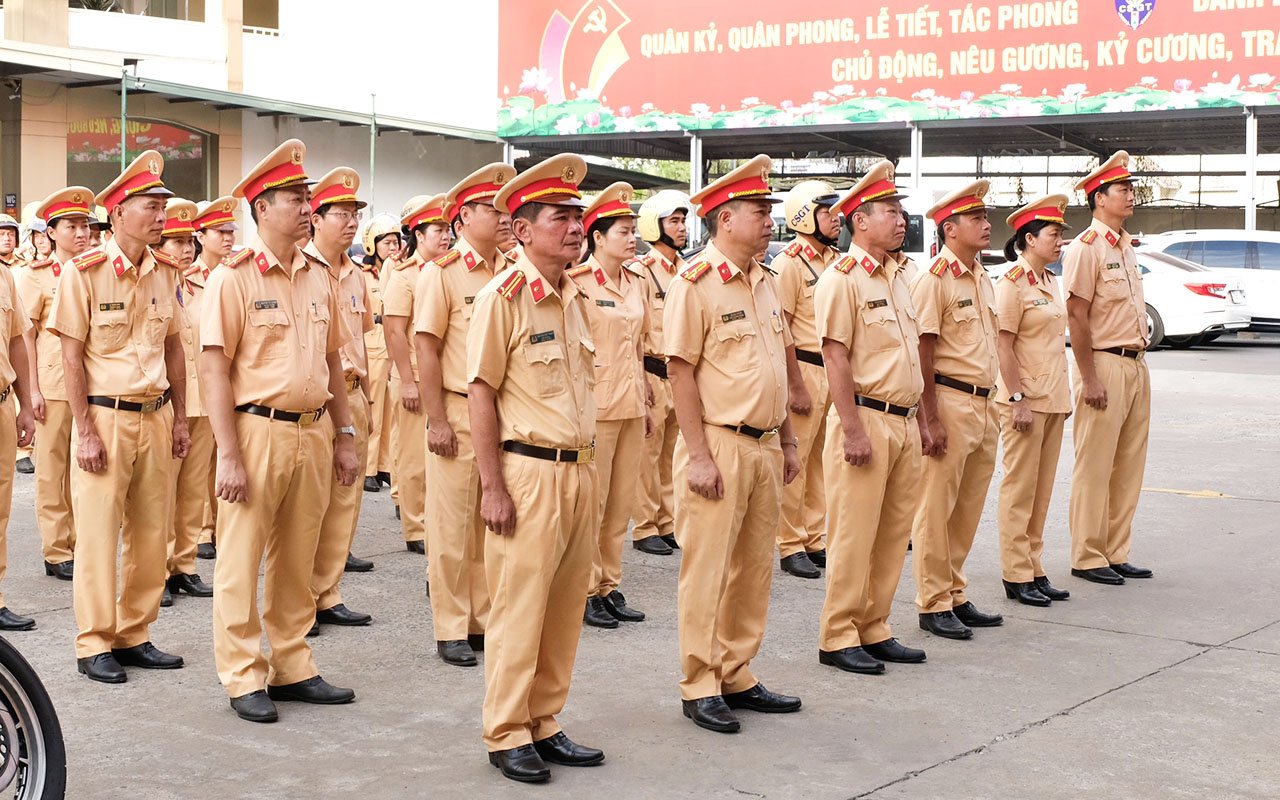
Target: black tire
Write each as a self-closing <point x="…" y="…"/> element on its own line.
<point x="30" y="734"/>
<point x="1156" y="328"/>
<point x="1185" y="342"/>
<point x="1209" y="337"/>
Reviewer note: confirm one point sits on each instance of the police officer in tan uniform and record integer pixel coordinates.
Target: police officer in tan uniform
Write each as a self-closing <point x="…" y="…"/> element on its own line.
<point x="956" y="316"/>
<point x="726" y="343"/>
<point x="870" y="344"/>
<point x="276" y="397"/>
<point x="66" y="212"/>
<point x="17" y="425"/>
<point x="444" y="305"/>
<point x="808" y="212"/>
<point x="1107" y="315"/>
<point x="662" y="223"/>
<point x="530" y="367"/>
<point x="116" y="316"/>
<point x="1033" y="394"/>
<point x="429" y="228"/>
<point x="618" y="310"/>
<point x="381" y="241"/>
<point x="9" y="230"/>
<point x="335" y="218"/>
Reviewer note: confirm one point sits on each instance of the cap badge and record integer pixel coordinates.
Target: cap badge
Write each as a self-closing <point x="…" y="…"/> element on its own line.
<point x="77" y="197"/>
<point x="567" y="174"/>
<point x="500" y="178"/>
<point x="296" y="156"/>
<point x="184" y="215"/>
<point x="154" y="166"/>
<point x="347" y="181"/>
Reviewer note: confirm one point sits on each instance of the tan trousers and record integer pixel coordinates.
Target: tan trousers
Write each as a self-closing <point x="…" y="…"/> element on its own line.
<point x="1030" y="465"/>
<point x="53" y="482"/>
<point x="1111" y="456"/>
<point x="290" y="472"/>
<point x="951" y="498"/>
<point x="727" y="564"/>
<point x="455" y="571"/>
<point x="871" y="509"/>
<point x="129" y="500"/>
<point x="619" y="448"/>
<point x="410" y="469"/>
<point x="193" y="494"/>
<point x="209" y="525"/>
<point x="804" y="510"/>
<point x="8" y="445"/>
<point x="338" y="528"/>
<point x="381" y="416"/>
<point x="538" y="581"/>
<point x="655" y="500"/>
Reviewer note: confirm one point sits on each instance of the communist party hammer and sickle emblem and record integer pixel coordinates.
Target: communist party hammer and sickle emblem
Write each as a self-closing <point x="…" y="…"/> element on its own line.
<point x="597" y="22"/>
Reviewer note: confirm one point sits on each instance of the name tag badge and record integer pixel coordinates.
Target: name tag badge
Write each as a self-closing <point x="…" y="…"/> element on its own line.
<point x="260" y="305"/>
<point x="1040" y="302"/>
<point x="545" y="336"/>
<point x="606" y="303"/>
<point x="111" y="306"/>
<point x="1113" y="265"/>
<point x="734" y="316"/>
<point x="965" y="303"/>
<point x="877" y="303"/>
<point x="469" y="300"/>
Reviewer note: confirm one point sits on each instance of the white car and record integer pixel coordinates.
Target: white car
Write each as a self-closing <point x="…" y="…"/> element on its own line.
<point x="1188" y="304"/>
<point x="1253" y="257"/>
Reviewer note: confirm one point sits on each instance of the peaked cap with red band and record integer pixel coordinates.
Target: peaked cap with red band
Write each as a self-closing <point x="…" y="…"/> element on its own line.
<point x="216" y="214"/>
<point x="614" y="201"/>
<point x="877" y="184"/>
<point x="748" y="182"/>
<point x="339" y="185"/>
<point x="281" y="167"/>
<point x="424" y="212"/>
<point x="554" y="182"/>
<point x="1113" y="170"/>
<point x="139" y="178"/>
<point x="73" y="201"/>
<point x="179" y="217"/>
<point x="1049" y="208"/>
<point x="962" y="201"/>
<point x="481" y="186"/>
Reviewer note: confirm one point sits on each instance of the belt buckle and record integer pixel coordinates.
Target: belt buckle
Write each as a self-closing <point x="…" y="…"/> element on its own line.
<point x="1141" y="354"/>
<point x="152" y="405"/>
<point x="912" y="411"/>
<point x="586" y="455"/>
<point x="309" y="417"/>
<point x="769" y="435"/>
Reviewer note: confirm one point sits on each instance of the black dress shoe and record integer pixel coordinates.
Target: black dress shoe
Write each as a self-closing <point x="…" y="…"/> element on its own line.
<point x="617" y="607"/>
<point x="670" y="539"/>
<point x="25" y="466"/>
<point x="945" y="624"/>
<point x="384" y="478"/>
<point x="191" y="584"/>
<point x="10" y="621"/>
<point x="799" y="565"/>
<point x="315" y="630"/>
<point x="313" y="690"/>
<point x="397" y="511"/>
<point x="1026" y="593"/>
<point x="146" y="656"/>
<point x="457" y="652"/>
<point x="653" y="545"/>
<point x="357" y="564"/>
<point x="521" y="764"/>
<point x="819" y="558"/>
<point x="63" y="570"/>
<point x="1099" y="575"/>
<point x="1048" y="590"/>
<point x="102" y="668"/>
<point x="418" y="546"/>
<point x="341" y="615"/>
<point x="166" y="597"/>
<point x="758" y="698"/>
<point x="1127" y="570"/>
<point x="560" y="749"/>
<point x="596" y="615"/>
<point x="851" y="659"/>
<point x="894" y="651"/>
<point x="207" y="551"/>
<point x="372" y="484"/>
<point x="712" y="713"/>
<point x="255" y="707"/>
<point x="969" y="614"/>
<point x="476" y="640"/>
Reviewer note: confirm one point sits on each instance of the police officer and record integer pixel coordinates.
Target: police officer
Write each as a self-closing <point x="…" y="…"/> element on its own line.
<point x="726" y="343"/>
<point x="955" y="312"/>
<point x="381" y="240"/>
<point x="274" y="390"/>
<point x="17" y="425"/>
<point x="1033" y="394"/>
<point x="530" y="365"/>
<point x="335" y="218"/>
<point x="1107" y="315"/>
<point x="618" y="310"/>
<point x="808" y="211"/>
<point x="444" y="305"/>
<point x="115" y="314"/>
<point x="870" y="344"/>
<point x="66" y="213"/>
<point x="9" y="230"/>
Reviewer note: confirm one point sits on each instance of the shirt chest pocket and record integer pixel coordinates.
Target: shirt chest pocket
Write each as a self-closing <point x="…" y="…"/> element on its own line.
<point x="734" y="346"/>
<point x="109" y="330"/>
<point x="269" y="331"/>
<point x="548" y="369"/>
<point x="1114" y="284"/>
<point x="159" y="317"/>
<point x="968" y="326"/>
<point x="880" y="327"/>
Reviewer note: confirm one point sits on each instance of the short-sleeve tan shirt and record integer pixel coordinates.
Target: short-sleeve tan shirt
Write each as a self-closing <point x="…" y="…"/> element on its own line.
<point x="122" y="312"/>
<point x="37" y="287"/>
<point x="658" y="273"/>
<point x="1031" y="307"/>
<point x="277" y="321"/>
<point x="375" y="344"/>
<point x="13" y="322"/>
<point x="727" y="323"/>
<point x="1100" y="266"/>
<point x="193" y="288"/>
<point x="397" y="301"/>
<point x="353" y="307"/>
<point x="798" y="268"/>
<point x="531" y="343"/>
<point x="956" y="303"/>
<point x="866" y="306"/>
<point x="619" y="316"/>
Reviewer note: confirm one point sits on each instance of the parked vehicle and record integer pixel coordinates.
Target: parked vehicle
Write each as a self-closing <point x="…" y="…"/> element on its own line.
<point x="33" y="758"/>
<point x="1253" y="257"/>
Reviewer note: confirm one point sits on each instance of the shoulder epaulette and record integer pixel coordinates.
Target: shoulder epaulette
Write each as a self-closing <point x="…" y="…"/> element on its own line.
<point x="1089" y="236"/>
<point x="581" y="269"/>
<point x="647" y="259"/>
<point x="794" y="248"/>
<point x="512" y="285"/>
<point x="845" y="264"/>
<point x="415" y="261"/>
<point x="240" y="257"/>
<point x="692" y="274"/>
<point x="164" y="258"/>
<point x="1015" y="273"/>
<point x="448" y="258"/>
<point x="320" y="262"/>
<point x="769" y="268"/>
<point x="939" y="266"/>
<point x="90" y="259"/>
<point x="634" y="267"/>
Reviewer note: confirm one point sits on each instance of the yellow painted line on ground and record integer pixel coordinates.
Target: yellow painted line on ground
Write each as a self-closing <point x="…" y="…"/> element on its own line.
<point x="1208" y="494"/>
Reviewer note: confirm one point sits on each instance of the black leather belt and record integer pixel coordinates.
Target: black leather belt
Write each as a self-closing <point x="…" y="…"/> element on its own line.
<point x="754" y="433"/>
<point x="303" y="417"/>
<point x="889" y="408"/>
<point x="809" y="357"/>
<point x="5" y="394"/>
<point x="655" y="366"/>
<point x="1122" y="351"/>
<point x="967" y="388"/>
<point x="579" y="455"/>
<point x="128" y="405"/>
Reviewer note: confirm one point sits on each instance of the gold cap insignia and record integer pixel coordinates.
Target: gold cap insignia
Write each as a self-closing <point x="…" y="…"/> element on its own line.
<point x="184" y="215"/>
<point x="500" y="178"/>
<point x="296" y="156"/>
<point x="889" y="174"/>
<point x="76" y="197"/>
<point x="347" y="181"/>
<point x="567" y="174"/>
<point x="154" y="166"/>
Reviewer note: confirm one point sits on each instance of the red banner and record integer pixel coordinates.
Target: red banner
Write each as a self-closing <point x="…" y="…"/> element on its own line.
<point x="98" y="140"/>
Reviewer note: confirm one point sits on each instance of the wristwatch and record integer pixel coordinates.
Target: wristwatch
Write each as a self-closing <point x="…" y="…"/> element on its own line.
<point x="1018" y="397"/>
<point x="348" y="430"/>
